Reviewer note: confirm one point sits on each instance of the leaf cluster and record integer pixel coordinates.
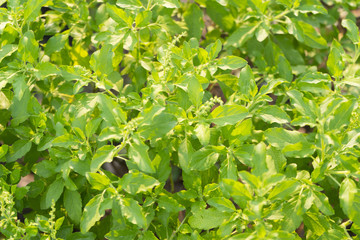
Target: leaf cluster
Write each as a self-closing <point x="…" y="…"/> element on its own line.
<point x="167" y="119"/>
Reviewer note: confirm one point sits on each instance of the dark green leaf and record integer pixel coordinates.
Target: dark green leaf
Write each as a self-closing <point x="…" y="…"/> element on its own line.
<point x="52" y="193"/>
<point x="18" y="150"/>
<point x="73" y="205"/>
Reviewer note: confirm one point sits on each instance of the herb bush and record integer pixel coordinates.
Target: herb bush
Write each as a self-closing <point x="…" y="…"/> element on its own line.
<point x="161" y="119"/>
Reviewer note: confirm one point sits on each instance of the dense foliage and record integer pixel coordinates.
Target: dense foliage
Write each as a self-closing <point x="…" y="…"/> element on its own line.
<point x="161" y="119"/>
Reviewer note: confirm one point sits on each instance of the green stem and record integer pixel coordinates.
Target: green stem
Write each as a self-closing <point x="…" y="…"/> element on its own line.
<point x="281" y="14"/>
<point x="178" y="228"/>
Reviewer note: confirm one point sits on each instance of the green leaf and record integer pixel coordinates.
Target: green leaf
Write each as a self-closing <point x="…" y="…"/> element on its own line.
<point x="46" y="69"/>
<point x="143" y="18"/>
<point x="101" y="60"/>
<point x="195" y="91"/>
<point x="311" y="37"/>
<point x="273" y="114"/>
<point x="250" y="179"/>
<point x="18" y="150"/>
<point x="220" y="15"/>
<point x="352" y="30"/>
<point x="129" y="4"/>
<point x="292" y="143"/>
<point x="285" y="70"/>
<point x="301" y="104"/>
<point x="169" y="204"/>
<point x="202" y="132"/>
<point x="228" y="115"/>
<point x="258" y="6"/>
<point x="306" y="33"/>
<point x="119" y="15"/>
<point x="133" y="212"/>
<point x="81" y="236"/>
<point x="32" y="9"/>
<point x="246" y="83"/>
<point x="221" y="204"/>
<point x="98" y="181"/>
<point x="277" y="160"/>
<point x="111" y="111"/>
<point x="259" y="160"/>
<point x="292" y="210"/>
<point x="66" y="141"/>
<point x="4" y="101"/>
<point x="347" y="193"/>
<point x="317" y="83"/>
<point x="208" y="218"/>
<point x="341" y="116"/>
<point x="240" y="36"/>
<point x="45" y="168"/>
<point x="55" y="43"/>
<point x="137" y="182"/>
<point x="261" y="33"/>
<point x="315" y="223"/>
<point x="53" y="193"/>
<point x="93" y="211"/>
<point x="73" y="205"/>
<point x="214" y="49"/>
<point x="28" y="47"/>
<point x="104" y="154"/>
<point x="193" y="17"/>
<point x="19" y="106"/>
<point x="203" y="159"/>
<point x="171" y="3"/>
<point x="231" y="62"/>
<point x="3" y="150"/>
<point x="354" y="213"/>
<point x="185" y="152"/>
<point x="322" y="202"/>
<point x="284" y="189"/>
<point x="110" y="133"/>
<point x="138" y="153"/>
<point x="236" y="190"/>
<point x="312" y="6"/>
<point x="287" y="3"/>
<point x="228" y="168"/>
<point x="335" y="63"/>
<point x="7" y="50"/>
<point x="156" y="123"/>
<point x="229" y="80"/>
<point x="241" y="132"/>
